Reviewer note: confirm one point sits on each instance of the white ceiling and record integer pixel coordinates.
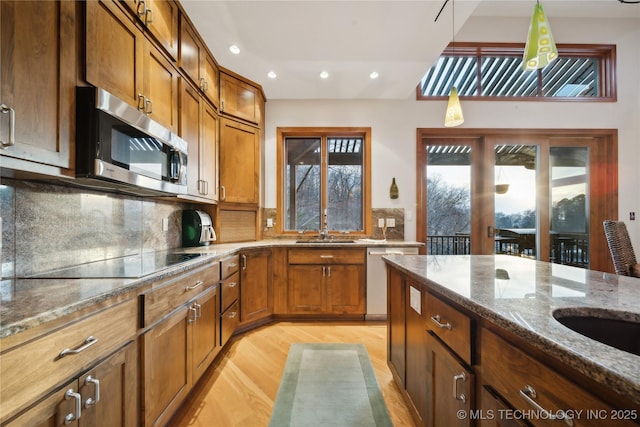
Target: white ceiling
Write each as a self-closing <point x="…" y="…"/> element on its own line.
<point x="349" y="39"/>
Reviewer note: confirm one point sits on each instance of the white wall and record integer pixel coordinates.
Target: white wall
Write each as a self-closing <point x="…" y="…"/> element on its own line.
<point x="394" y="122"/>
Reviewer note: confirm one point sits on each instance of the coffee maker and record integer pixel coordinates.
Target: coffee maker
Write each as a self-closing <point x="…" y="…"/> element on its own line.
<point x="197" y="228"/>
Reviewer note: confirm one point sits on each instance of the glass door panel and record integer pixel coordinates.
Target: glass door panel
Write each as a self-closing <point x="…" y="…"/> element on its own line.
<point x="515" y="198"/>
<point x="569" y="216"/>
<point x="448" y="174"/>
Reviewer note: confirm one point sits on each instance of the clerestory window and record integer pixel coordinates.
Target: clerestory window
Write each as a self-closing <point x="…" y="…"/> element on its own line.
<point x="494" y="72"/>
<point x="324" y="180"/>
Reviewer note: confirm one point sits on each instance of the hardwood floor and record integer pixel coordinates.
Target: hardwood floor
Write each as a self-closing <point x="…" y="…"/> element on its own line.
<point x="242" y="386"/>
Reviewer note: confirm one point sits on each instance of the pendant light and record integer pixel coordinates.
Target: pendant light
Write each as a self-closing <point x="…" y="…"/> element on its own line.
<point x="453" y="117"/>
<point x="540" y="49"/>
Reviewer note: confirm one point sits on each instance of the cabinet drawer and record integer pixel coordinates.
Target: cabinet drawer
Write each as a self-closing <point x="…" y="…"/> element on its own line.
<point x="30" y="371"/>
<point x="229" y="290"/>
<point x="326" y="256"/>
<point x="513" y="375"/>
<point x="451" y="326"/>
<point x="173" y="293"/>
<point x="229" y="322"/>
<point x="229" y="266"/>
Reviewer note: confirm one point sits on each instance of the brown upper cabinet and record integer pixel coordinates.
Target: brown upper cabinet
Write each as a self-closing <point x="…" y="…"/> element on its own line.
<point x="121" y="60"/>
<point x="239" y="162"/>
<point x="240" y="99"/>
<point x="38" y="77"/>
<point x="160" y="18"/>
<point x="197" y="63"/>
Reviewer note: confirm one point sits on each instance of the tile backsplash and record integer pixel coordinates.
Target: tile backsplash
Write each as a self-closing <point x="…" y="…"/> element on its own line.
<point x="46" y="226"/>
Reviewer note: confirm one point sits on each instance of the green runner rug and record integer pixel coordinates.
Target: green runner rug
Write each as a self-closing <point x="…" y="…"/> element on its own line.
<point x="329" y="385"/>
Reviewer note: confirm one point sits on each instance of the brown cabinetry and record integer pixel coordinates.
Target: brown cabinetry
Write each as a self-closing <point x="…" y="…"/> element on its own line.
<point x="199" y="126"/>
<point x="417" y="349"/>
<point x="239" y="162"/>
<point x="160" y="19"/>
<point x="106" y="395"/>
<point x="256" y="285"/>
<point x="530" y="386"/>
<point x="121" y="60"/>
<point x="197" y="63"/>
<point x="396" y="324"/>
<point x="240" y="99"/>
<point x="328" y="281"/>
<point x="229" y="307"/>
<point x="37" y="86"/>
<point x="65" y="357"/>
<point x="182" y="340"/>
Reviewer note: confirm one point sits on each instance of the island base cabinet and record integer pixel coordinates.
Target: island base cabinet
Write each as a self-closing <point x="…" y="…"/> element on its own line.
<point x="396" y="314"/>
<point x="531" y="387"/>
<point x="106" y="394"/>
<point x="450" y="387"/>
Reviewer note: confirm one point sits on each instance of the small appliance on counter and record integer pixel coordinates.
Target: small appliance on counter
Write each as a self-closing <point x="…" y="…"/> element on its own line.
<point x="197" y="228"/>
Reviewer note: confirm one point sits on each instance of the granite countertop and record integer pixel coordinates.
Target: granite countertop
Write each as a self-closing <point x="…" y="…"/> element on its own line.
<point x="27" y="303"/>
<point x="520" y="295"/>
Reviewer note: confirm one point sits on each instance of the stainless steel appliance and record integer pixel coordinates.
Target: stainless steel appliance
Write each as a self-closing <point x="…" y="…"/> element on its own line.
<point x="377" y="279"/>
<point x="121" y="148"/>
<point x="197" y="228"/>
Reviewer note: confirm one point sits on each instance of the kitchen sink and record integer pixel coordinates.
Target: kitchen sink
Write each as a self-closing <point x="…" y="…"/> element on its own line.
<point x="324" y="241"/>
<point x="614" y="328"/>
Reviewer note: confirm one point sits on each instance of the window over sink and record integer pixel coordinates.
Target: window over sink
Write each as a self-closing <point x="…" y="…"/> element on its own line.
<point x="324" y="180"/>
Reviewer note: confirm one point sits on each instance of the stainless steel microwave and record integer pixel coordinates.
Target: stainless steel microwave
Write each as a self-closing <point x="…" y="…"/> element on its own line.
<point x="121" y="148"/>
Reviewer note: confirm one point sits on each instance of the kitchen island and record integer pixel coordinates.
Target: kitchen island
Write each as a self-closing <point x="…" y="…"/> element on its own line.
<point x="495" y="316"/>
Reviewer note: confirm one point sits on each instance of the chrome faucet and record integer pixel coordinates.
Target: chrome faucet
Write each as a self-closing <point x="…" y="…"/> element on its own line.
<point x="324" y="232"/>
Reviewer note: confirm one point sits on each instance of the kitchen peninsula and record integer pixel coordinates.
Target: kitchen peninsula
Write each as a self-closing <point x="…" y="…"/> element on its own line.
<point x="493" y="330"/>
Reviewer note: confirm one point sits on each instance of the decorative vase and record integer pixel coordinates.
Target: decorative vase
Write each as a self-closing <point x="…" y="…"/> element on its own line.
<point x="393" y="191"/>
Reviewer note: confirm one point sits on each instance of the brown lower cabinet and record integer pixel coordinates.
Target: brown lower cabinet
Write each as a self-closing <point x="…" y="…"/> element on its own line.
<point x="256" y="285"/>
<point x="106" y="395"/>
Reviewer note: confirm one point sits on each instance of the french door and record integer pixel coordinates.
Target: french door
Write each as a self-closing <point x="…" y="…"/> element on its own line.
<point x="540" y="194"/>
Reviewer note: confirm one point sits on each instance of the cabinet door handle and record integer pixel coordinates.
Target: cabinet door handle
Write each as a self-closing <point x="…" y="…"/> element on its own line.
<point x="141" y="102"/>
<point x="85" y="345"/>
<point x="69" y="418"/>
<point x="148" y="106"/>
<point x="143" y="6"/>
<point x="193" y="310"/>
<point x="148" y="17"/>
<point x="198" y="308"/>
<point x="4" y="109"/>
<point x="529" y="394"/>
<point x="223" y="193"/>
<point x="459" y="396"/>
<point x="436" y="319"/>
<point x="192" y="287"/>
<point x="96" y="396"/>
<point x="328" y="271"/>
<point x="244" y="262"/>
<point x="232" y="284"/>
<point x="326" y="256"/>
<point x="232" y="314"/>
<point x="324" y="271"/>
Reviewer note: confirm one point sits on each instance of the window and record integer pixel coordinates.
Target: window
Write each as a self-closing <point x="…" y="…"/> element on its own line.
<point x="494" y="72"/>
<point x="324" y="170"/>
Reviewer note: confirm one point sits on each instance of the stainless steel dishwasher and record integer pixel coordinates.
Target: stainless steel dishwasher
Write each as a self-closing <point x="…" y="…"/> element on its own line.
<point x="377" y="279"/>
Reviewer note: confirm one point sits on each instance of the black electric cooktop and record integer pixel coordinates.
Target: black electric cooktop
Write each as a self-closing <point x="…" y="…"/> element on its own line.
<point x="132" y="266"/>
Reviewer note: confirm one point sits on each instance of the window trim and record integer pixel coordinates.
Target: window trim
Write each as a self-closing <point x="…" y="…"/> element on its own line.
<point x="606" y="54"/>
<point x="284" y="132"/>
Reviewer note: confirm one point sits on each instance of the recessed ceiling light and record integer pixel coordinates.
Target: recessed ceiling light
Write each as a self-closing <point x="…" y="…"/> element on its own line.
<point x="374" y="75"/>
<point x="234" y="49"/>
<point x="272" y="74"/>
<point x="324" y="75"/>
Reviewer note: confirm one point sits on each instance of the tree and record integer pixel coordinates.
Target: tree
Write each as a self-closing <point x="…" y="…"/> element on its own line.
<point x="448" y="208"/>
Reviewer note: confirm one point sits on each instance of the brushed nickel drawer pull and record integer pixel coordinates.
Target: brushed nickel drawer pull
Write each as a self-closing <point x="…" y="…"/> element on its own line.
<point x="326" y="256"/>
<point x="85" y="345"/>
<point x="12" y="125"/>
<point x="232" y="314"/>
<point x="232" y="284"/>
<point x="197" y="285"/>
<point x="529" y="393"/>
<point x="69" y="418"/>
<point x="231" y="265"/>
<point x="437" y="320"/>
<point x="92" y="400"/>
<point x="456" y="395"/>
